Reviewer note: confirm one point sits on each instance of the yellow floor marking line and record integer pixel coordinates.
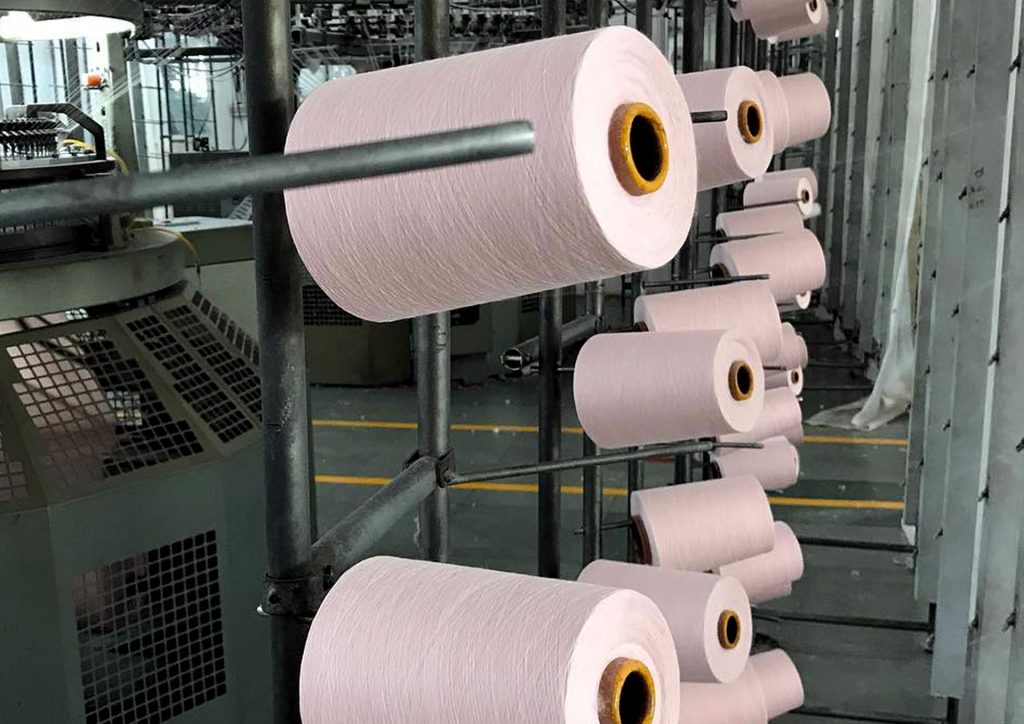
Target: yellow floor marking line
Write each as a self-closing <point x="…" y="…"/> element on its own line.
<point x="477" y="427"/>
<point x="621" y="492"/>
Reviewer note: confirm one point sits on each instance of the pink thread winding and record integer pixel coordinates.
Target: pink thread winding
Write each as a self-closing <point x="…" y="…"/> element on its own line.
<point x="409" y="244"/>
<point x="701" y="526"/>
<point x="709" y="615"/>
<point x="747" y="307"/>
<point x="413" y="642"/>
<point x="641" y="388"/>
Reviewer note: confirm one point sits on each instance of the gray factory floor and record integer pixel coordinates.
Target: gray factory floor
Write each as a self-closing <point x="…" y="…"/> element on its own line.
<point x="850" y="488"/>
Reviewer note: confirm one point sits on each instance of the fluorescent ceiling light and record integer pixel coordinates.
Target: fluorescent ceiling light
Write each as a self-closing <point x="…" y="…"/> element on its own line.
<point x="21" y="26"/>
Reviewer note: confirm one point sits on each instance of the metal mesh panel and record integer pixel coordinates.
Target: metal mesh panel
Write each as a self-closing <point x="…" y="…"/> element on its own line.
<point x="191" y="381"/>
<point x="235" y="334"/>
<point x="236" y="371"/>
<point x="150" y="635"/>
<point x="319" y="311"/>
<point x="95" y="409"/>
<point x="529" y="303"/>
<point x="12" y="477"/>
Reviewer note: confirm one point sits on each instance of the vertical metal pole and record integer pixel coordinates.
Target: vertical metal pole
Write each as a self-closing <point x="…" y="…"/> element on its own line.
<point x="286" y="474"/>
<point x="549" y="503"/>
<point x="431" y="335"/>
<point x="593" y="477"/>
<point x="693" y="62"/>
<point x="723" y="59"/>
<point x="14" y="74"/>
<point x="433" y="394"/>
<point x="645" y="16"/>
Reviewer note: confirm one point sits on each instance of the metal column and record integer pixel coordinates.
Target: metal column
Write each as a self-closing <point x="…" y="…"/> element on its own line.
<point x="873" y="153"/>
<point x="549" y="503"/>
<point x="932" y="195"/>
<point x="851" y="220"/>
<point x="431" y="335"/>
<point x="593" y="476"/>
<point x="840" y="171"/>
<point x="950" y="238"/>
<point x="286" y="473"/>
<point x="982" y="207"/>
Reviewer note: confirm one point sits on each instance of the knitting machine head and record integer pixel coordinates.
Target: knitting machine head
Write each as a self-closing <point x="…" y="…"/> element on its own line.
<point x="39" y="144"/>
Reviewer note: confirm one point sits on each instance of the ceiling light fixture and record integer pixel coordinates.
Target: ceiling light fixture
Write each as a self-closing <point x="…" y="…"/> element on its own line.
<point x="58" y="20"/>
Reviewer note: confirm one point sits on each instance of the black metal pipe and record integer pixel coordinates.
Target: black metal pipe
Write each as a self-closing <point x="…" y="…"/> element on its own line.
<point x="825" y="712"/>
<point x="267" y="174"/>
<point x="597" y="13"/>
<point x="735" y="43"/>
<point x="853" y="621"/>
<point x="515" y="471"/>
<point x="350" y="540"/>
<point x="645" y="16"/>
<point x="593" y="504"/>
<point x="549" y="509"/>
<point x="549" y="391"/>
<point x="527" y="352"/>
<point x="710" y="280"/>
<point x="593" y="475"/>
<point x="266" y="28"/>
<point x="431" y="335"/>
<point x="709" y="116"/>
<point x="864" y="545"/>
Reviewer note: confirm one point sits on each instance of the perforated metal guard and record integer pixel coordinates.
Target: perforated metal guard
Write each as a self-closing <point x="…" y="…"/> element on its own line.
<point x="13" y="485"/>
<point x="237" y="336"/>
<point x="191" y="381"/>
<point x="529" y="303"/>
<point x="150" y="636"/>
<point x="95" y="409"/>
<point x="318" y="310"/>
<point x="235" y="370"/>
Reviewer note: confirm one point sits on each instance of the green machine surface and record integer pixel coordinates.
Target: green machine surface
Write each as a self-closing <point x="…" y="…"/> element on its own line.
<point x="131" y="522"/>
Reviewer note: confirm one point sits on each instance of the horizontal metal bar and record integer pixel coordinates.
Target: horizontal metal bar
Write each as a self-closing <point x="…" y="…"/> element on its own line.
<point x="824" y="712"/>
<point x="864" y="545"/>
<point x="526" y="352"/>
<point x="837" y="388"/>
<point x="681" y="448"/>
<point x="262" y="174"/>
<point x="709" y="116"/>
<point x="710" y="280"/>
<point x="614" y="525"/>
<point x="853" y="621"/>
<point x="349" y="541"/>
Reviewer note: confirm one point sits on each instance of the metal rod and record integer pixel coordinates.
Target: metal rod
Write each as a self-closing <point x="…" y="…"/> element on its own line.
<point x="270" y="172"/>
<point x="593" y="476"/>
<point x="864" y="545"/>
<point x="824" y="712"/>
<point x="854" y="621"/>
<point x="597" y="13"/>
<point x="697" y="282"/>
<point x="679" y="448"/>
<point x="431" y="335"/>
<point x="645" y="16"/>
<point x="549" y="425"/>
<point x="709" y="116"/>
<point x="549" y="391"/>
<point x="350" y="540"/>
<point x="593" y="504"/>
<point x="266" y="26"/>
<point x="527" y="352"/>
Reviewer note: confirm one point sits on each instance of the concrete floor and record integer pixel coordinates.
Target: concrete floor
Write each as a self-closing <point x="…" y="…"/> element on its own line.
<point x="850" y="488"/>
